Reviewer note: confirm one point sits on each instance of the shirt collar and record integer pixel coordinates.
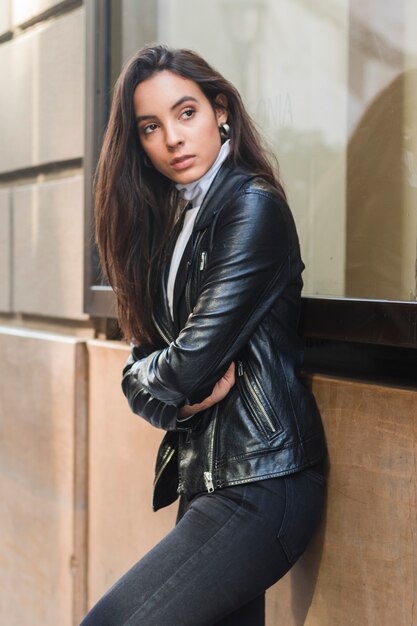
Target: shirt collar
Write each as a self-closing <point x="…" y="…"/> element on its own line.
<point x="195" y="191"/>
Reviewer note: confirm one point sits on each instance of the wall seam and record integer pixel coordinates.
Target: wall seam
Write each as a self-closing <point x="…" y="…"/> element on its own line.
<point x="79" y="558"/>
<point x="44" y="169"/>
<point x="11" y="253"/>
<point x="62" y="8"/>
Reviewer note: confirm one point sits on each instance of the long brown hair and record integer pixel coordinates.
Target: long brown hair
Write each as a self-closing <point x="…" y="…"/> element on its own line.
<point x="135" y="205"/>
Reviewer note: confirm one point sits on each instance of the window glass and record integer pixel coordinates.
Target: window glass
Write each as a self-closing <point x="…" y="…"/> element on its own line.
<point x="333" y="88"/>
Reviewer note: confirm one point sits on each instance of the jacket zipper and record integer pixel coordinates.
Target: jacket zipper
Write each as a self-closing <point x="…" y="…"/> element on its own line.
<point x="203" y="260"/>
<point x="208" y="476"/>
<point x="208" y="479"/>
<point x="191" y="263"/>
<point x="169" y="453"/>
<point x="161" y="331"/>
<point x="248" y="385"/>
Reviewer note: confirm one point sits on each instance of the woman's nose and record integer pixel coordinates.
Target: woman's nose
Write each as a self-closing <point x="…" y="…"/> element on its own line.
<point x="173" y="137"/>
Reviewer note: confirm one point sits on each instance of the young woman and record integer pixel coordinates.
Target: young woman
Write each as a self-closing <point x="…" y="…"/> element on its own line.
<point x="197" y="240"/>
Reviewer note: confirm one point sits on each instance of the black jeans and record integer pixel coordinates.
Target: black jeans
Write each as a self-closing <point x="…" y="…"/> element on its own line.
<point x="227" y="548"/>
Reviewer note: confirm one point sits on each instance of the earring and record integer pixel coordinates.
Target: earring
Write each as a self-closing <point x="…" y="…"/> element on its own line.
<point x="224" y="131"/>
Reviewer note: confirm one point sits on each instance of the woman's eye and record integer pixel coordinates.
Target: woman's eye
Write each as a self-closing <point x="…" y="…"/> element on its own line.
<point x="149" y="128"/>
<point x="187" y="114"/>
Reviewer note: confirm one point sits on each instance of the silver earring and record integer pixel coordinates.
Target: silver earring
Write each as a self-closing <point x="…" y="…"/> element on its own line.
<point x="224" y="131"/>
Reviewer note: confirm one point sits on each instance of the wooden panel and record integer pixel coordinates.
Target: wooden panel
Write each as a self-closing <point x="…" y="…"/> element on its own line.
<point x="122" y="452"/>
<point x="361" y="567"/>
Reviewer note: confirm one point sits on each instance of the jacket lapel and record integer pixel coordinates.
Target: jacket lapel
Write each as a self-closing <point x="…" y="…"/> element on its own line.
<point x="162" y="312"/>
<point x="227" y="180"/>
<point x="181" y="278"/>
<point x="207" y="212"/>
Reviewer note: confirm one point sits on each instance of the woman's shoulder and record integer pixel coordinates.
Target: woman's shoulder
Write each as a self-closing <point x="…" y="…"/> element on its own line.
<point x="256" y="190"/>
<point x="239" y="194"/>
<point x="260" y="203"/>
<point x="253" y="183"/>
<point x="263" y="187"/>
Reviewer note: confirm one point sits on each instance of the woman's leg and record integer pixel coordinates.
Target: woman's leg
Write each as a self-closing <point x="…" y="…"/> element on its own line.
<point x="227" y="548"/>
<point x="303" y="509"/>
<point x="250" y="614"/>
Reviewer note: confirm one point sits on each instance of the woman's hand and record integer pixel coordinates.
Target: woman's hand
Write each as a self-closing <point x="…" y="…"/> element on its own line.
<point x="220" y="391"/>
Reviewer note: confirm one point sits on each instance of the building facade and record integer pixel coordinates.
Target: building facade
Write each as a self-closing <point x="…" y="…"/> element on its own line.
<point x="332" y="86"/>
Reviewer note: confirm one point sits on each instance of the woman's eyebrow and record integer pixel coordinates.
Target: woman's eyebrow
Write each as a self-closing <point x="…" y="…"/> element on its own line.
<point x="181" y="100"/>
<point x="141" y="118"/>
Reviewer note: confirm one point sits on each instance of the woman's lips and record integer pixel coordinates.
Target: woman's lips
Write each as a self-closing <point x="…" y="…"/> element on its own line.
<point x="181" y="163"/>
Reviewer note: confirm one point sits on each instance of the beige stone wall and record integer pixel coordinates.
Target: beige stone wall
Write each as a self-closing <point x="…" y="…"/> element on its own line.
<point x="23" y="11"/>
<point x="42" y="64"/>
<point x="43" y="376"/>
<point x="60" y="394"/>
<point x="42" y="103"/>
<point x="5" y="16"/>
<point x="48" y="225"/>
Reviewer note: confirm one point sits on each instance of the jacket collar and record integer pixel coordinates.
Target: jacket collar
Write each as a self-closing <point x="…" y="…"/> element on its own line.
<point x="226" y="181"/>
<point x="195" y="191"/>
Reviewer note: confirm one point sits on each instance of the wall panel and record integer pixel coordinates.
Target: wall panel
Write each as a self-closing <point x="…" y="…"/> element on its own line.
<point x="22" y="10"/>
<point x="43" y="76"/>
<point x="42" y="435"/>
<point x="122" y="452"/>
<point x="361" y="567"/>
<point x="48" y="248"/>
<point x="5" y="15"/>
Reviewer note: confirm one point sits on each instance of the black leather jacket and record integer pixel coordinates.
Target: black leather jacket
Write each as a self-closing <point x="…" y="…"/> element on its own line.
<point x="237" y="299"/>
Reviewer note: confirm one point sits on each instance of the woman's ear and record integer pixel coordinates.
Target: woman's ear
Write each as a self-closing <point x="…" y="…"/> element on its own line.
<point x="221" y="108"/>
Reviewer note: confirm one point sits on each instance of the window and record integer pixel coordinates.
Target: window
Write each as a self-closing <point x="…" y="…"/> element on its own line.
<point x="333" y="87"/>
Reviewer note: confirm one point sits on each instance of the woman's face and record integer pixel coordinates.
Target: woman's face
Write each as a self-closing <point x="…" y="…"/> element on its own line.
<point x="178" y="128"/>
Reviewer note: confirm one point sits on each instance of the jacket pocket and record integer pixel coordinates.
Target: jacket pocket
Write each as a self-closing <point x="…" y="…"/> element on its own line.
<point x="197" y="269"/>
<point x="257" y="402"/>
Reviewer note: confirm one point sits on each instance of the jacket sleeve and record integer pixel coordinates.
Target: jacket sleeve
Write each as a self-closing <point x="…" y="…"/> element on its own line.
<point x="255" y="254"/>
<point x="141" y="402"/>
